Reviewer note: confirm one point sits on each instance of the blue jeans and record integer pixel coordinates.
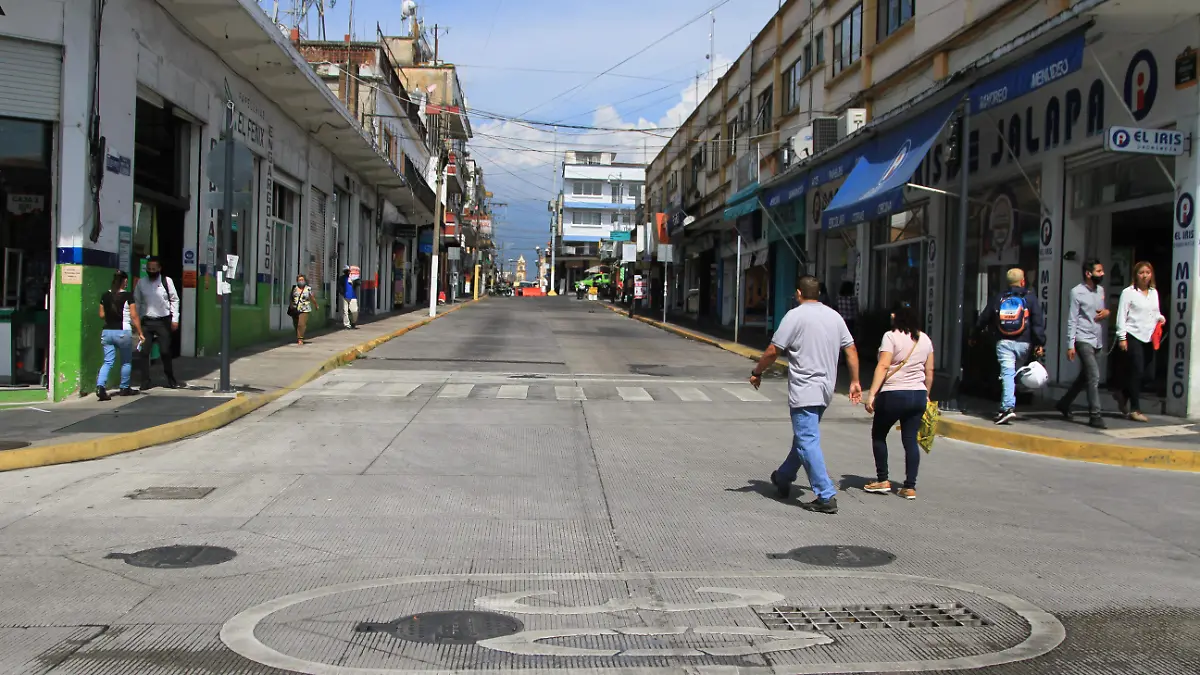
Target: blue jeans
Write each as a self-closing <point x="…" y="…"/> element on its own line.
<point x="806" y="452"/>
<point x="1012" y="355"/>
<point x="114" y="340"/>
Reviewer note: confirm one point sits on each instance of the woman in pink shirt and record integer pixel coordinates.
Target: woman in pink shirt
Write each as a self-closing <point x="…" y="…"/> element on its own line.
<point x="899" y="392"/>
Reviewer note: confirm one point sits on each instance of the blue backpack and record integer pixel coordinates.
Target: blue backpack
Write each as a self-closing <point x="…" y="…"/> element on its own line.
<point x="1012" y="315"/>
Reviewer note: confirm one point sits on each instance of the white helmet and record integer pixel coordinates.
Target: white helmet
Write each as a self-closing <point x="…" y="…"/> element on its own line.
<point x="1032" y="376"/>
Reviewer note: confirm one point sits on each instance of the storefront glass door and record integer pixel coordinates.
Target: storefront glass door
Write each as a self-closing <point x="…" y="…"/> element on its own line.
<point x="283" y="273"/>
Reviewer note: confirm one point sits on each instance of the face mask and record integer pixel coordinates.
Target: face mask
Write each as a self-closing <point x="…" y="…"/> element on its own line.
<point x="301" y="284"/>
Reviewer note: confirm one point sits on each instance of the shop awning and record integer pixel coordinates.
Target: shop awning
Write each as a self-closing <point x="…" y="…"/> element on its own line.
<point x="743" y="202"/>
<point x="1051" y="64"/>
<point x="875" y="187"/>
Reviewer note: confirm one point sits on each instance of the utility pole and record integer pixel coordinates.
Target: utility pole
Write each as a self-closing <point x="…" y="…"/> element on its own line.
<point x="554" y="219"/>
<point x="226" y="238"/>
<point x="439" y="213"/>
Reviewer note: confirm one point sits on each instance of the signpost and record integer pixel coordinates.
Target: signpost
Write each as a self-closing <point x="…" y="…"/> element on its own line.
<point x="1164" y="142"/>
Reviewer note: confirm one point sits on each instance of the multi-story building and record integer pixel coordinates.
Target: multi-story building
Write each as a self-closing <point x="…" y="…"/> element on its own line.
<point x="599" y="196"/>
<point x="834" y="146"/>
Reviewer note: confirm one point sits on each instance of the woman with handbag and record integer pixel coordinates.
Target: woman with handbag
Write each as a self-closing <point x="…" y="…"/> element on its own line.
<point x="303" y="303"/>
<point x="1138" y="317"/>
<point x="899" y="393"/>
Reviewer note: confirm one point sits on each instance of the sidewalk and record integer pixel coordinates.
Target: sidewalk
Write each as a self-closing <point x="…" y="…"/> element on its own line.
<point x="86" y="428"/>
<point x="1164" y="443"/>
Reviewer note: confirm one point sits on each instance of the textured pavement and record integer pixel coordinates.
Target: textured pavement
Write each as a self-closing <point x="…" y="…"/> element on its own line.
<point x="599" y="485"/>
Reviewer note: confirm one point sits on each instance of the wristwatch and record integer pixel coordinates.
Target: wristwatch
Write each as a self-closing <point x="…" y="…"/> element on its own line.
<point x="754" y="374"/>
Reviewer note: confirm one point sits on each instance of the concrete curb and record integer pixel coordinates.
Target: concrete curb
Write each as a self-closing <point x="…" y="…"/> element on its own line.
<point x="1171" y="459"/>
<point x="238" y="407"/>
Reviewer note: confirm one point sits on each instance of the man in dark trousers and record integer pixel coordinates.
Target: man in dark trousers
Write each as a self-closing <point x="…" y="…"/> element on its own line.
<point x="1015" y="315"/>
<point x="158" y="303"/>
<point x="347" y="290"/>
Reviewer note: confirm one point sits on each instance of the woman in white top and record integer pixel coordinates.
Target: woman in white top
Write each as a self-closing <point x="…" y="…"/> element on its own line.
<point x="899" y="392"/>
<point x="1138" y="314"/>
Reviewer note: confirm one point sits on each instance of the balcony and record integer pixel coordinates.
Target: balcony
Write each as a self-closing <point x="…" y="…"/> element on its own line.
<point x="421" y="190"/>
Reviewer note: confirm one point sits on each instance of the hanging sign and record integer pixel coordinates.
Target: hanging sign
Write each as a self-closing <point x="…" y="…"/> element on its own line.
<point x="639" y="287"/>
<point x="1185" y="69"/>
<point x="1166" y="142"/>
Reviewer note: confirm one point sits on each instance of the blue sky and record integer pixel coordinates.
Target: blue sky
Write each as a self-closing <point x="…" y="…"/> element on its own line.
<point x="504" y="47"/>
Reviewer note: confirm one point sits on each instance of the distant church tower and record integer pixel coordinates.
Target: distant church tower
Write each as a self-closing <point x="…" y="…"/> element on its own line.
<point x="521" y="269"/>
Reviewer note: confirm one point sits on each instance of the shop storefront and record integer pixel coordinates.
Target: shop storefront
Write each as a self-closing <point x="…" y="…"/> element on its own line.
<point x="787" y="235"/>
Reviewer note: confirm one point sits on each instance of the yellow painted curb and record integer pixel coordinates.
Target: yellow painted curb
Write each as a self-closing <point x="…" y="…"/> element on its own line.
<point x="240" y="406"/>
<point x="1172" y="459"/>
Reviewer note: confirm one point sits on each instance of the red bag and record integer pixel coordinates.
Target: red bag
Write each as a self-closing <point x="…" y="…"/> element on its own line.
<point x="1156" y="336"/>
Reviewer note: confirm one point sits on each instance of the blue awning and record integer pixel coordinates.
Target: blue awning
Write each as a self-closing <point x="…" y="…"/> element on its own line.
<point x="743" y="202"/>
<point x="875" y="187"/>
<point x="1049" y="65"/>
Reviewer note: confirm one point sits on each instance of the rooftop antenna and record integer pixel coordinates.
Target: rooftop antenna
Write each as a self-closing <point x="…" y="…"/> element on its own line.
<point x="712" y="50"/>
<point x="408" y="10"/>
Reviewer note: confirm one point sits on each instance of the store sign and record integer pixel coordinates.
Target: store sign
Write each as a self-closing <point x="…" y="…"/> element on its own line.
<point x="1040" y="70"/>
<point x="1165" y="142"/>
<point x="19" y="205"/>
<point x="1185" y="214"/>
<point x="1185" y="69"/>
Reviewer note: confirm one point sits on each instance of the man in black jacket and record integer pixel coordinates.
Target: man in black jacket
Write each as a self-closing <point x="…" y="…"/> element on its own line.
<point x="1015" y="315"/>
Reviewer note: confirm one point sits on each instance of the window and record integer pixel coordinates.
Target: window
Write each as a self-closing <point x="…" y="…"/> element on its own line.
<point x="847" y="40"/>
<point x="589" y="158"/>
<point x="618" y="192"/>
<point x="587" y="188"/>
<point x="765" y="100"/>
<point x="714" y="155"/>
<point x="892" y="15"/>
<point x="587" y="218"/>
<point x="791" y="86"/>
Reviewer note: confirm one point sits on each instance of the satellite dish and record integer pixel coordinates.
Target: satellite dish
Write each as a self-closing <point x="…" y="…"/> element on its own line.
<point x="408" y="8"/>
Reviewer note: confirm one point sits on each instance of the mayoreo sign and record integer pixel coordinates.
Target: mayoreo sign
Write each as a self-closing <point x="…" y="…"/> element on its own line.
<point x="1167" y="142"/>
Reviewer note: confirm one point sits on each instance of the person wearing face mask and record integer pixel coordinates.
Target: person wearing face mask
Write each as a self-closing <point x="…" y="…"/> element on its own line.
<point x="158" y="303"/>
<point x="303" y="303"/>
<point x="1085" y="339"/>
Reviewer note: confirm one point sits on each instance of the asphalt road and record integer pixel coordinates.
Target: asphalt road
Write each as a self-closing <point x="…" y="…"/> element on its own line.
<point x="599" y="487"/>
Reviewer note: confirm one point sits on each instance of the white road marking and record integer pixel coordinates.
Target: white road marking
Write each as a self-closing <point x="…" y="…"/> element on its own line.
<point x="456" y="391"/>
<point x="690" y="394"/>
<point x="517" y="391"/>
<point x="526" y="643"/>
<point x="1151" y="432"/>
<point x="345" y="386"/>
<point x="400" y="389"/>
<point x="569" y="394"/>
<point x="746" y="394"/>
<point x="510" y="602"/>
<point x="634" y="394"/>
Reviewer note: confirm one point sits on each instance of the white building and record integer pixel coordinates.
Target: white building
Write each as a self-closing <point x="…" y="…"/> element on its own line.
<point x="599" y="197"/>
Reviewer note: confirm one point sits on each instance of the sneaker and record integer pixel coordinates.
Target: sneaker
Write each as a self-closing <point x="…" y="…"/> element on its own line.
<point x="908" y="493"/>
<point x="102" y="394"/>
<point x="1097" y="422"/>
<point x="1064" y="409"/>
<point x="128" y="392"/>
<point x="1006" y="416"/>
<point x="1137" y="416"/>
<point x="882" y="487"/>
<point x="782" y="490"/>
<point x="819" y="505"/>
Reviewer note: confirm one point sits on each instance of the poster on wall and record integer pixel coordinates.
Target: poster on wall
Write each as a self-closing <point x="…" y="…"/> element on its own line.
<point x="998" y="241"/>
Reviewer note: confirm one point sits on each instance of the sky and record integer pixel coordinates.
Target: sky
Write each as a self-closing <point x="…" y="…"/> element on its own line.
<point x="507" y="52"/>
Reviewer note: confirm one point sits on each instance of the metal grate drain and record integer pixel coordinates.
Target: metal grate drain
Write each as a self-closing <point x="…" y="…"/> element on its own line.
<point x="446" y="628"/>
<point x="868" y="617"/>
<point x="171" y="492"/>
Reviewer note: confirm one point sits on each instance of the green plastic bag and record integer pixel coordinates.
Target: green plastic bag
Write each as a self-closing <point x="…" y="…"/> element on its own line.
<point x="929" y="425"/>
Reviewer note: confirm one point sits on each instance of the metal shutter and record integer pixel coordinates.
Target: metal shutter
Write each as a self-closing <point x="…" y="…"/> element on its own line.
<point x="30" y="79"/>
<point x="316" y="237"/>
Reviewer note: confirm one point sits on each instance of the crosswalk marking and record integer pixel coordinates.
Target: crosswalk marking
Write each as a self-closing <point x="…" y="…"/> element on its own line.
<point x="403" y="389"/>
<point x="569" y="394"/>
<point x="690" y="394"/>
<point x="347" y="386"/>
<point x="517" y="391"/>
<point x="746" y="394"/>
<point x="456" y="391"/>
<point x="634" y="394"/>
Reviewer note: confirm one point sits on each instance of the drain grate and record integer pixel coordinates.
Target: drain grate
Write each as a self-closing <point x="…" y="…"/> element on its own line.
<point x="171" y="492"/>
<point x="176" y="557"/>
<point x="446" y="628"/>
<point x="870" y="617"/>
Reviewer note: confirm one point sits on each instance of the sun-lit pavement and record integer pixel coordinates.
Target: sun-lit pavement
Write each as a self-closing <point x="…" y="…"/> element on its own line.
<point x="597" y="486"/>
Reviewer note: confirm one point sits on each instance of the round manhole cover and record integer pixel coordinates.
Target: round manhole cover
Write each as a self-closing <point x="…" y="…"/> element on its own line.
<point x="839" y="556"/>
<point x="13" y="445"/>
<point x="447" y="628"/>
<point x="176" y="557"/>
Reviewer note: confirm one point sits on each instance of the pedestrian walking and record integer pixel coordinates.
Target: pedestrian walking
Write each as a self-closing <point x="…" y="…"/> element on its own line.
<point x="1138" y="318"/>
<point x="121" y="325"/>
<point x="347" y="290"/>
<point x="1086" y="314"/>
<point x="303" y="303"/>
<point x="156" y="299"/>
<point x="810" y="336"/>
<point x="847" y="304"/>
<point x="1016" y="316"/>
<point x="899" y="393"/>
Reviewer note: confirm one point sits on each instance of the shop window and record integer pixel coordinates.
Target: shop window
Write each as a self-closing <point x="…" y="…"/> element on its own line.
<point x="1136" y="178"/>
<point x="847" y="40"/>
<point x="898" y="267"/>
<point x="892" y="15"/>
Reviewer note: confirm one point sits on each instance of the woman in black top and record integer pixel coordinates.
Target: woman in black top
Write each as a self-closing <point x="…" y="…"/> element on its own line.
<point x="116" y="335"/>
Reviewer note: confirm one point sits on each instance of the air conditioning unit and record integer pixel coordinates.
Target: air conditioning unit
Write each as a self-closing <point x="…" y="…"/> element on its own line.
<point x="825" y="133"/>
<point x="851" y="121"/>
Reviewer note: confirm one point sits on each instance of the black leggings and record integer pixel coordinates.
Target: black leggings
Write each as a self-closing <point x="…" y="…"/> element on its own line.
<point x="907" y="408"/>
<point x="1139" y="362"/>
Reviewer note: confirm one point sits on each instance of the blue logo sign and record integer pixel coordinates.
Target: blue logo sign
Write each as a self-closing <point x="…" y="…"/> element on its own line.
<point x="1121" y="138"/>
<point x="1185" y="210"/>
<point x="900" y="156"/>
<point x="1141" y="84"/>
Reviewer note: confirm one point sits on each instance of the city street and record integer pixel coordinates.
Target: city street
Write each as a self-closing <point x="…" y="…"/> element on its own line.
<point x="599" y="488"/>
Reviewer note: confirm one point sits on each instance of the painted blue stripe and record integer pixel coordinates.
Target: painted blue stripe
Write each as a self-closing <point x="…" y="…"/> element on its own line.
<point x="91" y="257"/>
<point x="604" y="206"/>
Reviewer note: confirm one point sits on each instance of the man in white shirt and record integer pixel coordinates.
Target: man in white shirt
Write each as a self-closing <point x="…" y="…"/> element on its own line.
<point x="158" y="303"/>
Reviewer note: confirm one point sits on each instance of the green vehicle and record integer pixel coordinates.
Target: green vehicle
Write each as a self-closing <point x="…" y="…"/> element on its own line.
<point x="598" y="280"/>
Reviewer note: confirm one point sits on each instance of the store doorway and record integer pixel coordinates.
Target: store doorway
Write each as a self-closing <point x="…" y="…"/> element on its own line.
<point x="284" y="254"/>
<point x="1142" y="234"/>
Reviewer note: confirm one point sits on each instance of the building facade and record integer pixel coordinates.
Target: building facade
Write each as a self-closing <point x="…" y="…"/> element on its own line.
<point x="599" y="197"/>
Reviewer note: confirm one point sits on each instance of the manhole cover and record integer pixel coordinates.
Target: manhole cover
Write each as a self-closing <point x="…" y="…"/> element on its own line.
<point x="838" y="556"/>
<point x="867" y="617"/>
<point x="13" y="445"/>
<point x="446" y="628"/>
<point x="176" y="557"/>
<point x="171" y="492"/>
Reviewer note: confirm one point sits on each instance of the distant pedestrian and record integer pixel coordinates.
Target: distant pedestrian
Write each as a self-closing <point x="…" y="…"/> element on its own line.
<point x="1138" y="316"/>
<point x="347" y="290"/>
<point x="847" y="305"/>
<point x="1016" y="316"/>
<point x="1085" y="339"/>
<point x="810" y="337"/>
<point x="121" y="326"/>
<point x="158" y="302"/>
<point x="899" y="393"/>
<point x="303" y="303"/>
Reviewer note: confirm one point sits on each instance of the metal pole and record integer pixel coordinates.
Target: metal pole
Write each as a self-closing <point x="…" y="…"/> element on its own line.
<point x="666" y="268"/>
<point x="226" y="237"/>
<point x="960" y="259"/>
<point x="438" y="214"/>
<point x="737" y="301"/>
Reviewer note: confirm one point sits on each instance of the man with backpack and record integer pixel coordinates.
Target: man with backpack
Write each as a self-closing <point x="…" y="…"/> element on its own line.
<point x="1016" y="316"/>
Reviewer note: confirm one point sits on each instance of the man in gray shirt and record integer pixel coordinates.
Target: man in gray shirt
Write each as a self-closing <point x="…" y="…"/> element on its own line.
<point x="1085" y="338"/>
<point x="810" y="337"/>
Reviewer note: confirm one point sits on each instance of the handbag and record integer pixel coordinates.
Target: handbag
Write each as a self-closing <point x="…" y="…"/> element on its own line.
<point x="292" y="309"/>
<point x="929" y="425"/>
<point x="1157" y="336"/>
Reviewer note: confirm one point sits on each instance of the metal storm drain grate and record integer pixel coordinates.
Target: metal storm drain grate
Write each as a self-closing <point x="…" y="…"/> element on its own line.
<point x="171" y="492"/>
<point x="446" y="628"/>
<point x="838" y="556"/>
<point x="176" y="557"/>
<point x="868" y="617"/>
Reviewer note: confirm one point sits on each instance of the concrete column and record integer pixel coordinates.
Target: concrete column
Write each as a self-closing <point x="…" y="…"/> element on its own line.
<point x="1048" y="282"/>
<point x="1183" y="377"/>
<point x="934" y="320"/>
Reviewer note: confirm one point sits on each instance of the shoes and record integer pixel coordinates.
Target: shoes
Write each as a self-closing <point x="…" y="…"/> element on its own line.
<point x="908" y="493"/>
<point x="128" y="392"/>
<point x="1005" y="416"/>
<point x="1122" y="402"/>
<point x="172" y="384"/>
<point x="782" y="490"/>
<point x="819" y="505"/>
<point x="102" y="394"/>
<point x="1097" y="422"/>
<point x="1137" y="416"/>
<point x="145" y="385"/>
<point x="1064" y="409"/>
<point x="882" y="487"/>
